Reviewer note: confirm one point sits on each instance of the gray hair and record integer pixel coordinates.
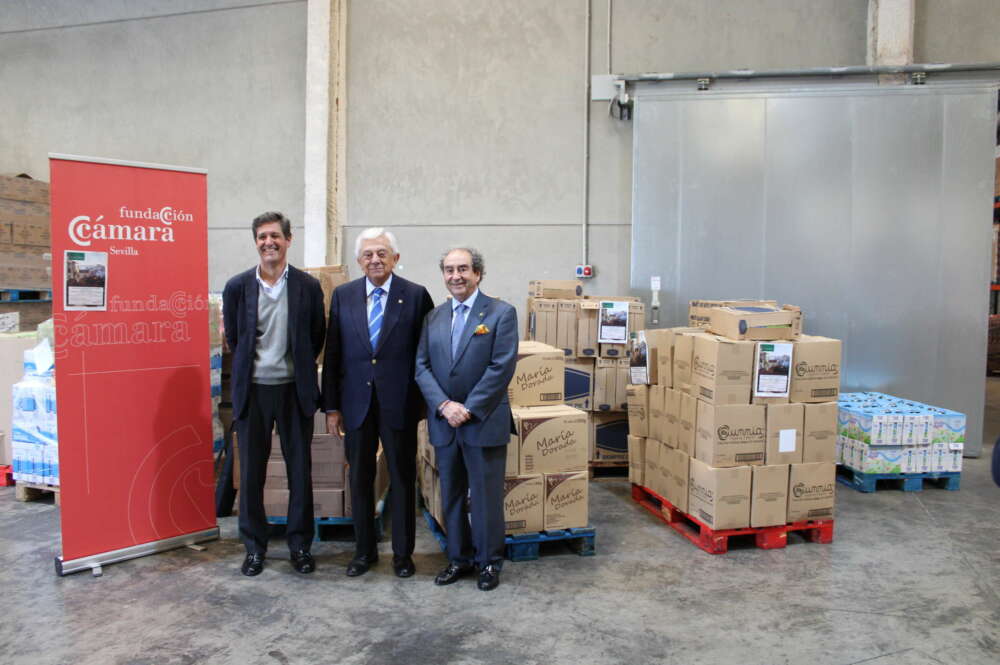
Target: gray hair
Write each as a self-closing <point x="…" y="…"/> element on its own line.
<point x="478" y="265"/>
<point x="371" y="234"/>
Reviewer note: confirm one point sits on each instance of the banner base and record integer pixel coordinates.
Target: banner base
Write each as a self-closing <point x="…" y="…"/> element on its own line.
<point x="96" y="561"/>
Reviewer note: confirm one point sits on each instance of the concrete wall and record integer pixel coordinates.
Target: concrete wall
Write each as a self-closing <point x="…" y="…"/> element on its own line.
<point x="957" y="31"/>
<point x="213" y="84"/>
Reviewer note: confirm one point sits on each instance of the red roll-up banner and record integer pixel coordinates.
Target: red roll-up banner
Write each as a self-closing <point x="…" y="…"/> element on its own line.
<point x="130" y="303"/>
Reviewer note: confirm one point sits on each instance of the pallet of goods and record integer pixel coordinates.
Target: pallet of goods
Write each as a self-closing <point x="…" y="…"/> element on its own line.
<point x="885" y="441"/>
<point x="25" y="251"/>
<point x="725" y="438"/>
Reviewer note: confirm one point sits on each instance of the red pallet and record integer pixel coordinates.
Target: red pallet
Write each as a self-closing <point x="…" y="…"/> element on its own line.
<point x="6" y="475"/>
<point x="717" y="542"/>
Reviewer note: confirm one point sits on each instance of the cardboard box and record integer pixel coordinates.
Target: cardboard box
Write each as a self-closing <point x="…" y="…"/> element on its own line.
<point x="551" y="439"/>
<point x="544" y="318"/>
<point x="555" y="288"/>
<point x="621" y="383"/>
<point x="785" y="424"/>
<point x="23" y="267"/>
<point x="330" y="277"/>
<point x="819" y="432"/>
<point x="24" y="189"/>
<point x="730" y="434"/>
<point x="566" y="500"/>
<point x="769" y="495"/>
<point x="566" y="327"/>
<point x="12" y="348"/>
<point x="29" y="222"/>
<point x="609" y="436"/>
<point x="523" y="504"/>
<point x="659" y="342"/>
<point x="683" y="355"/>
<point x="513" y="464"/>
<point x="816" y="374"/>
<point x="757" y="323"/>
<point x="326" y="502"/>
<point x="719" y="497"/>
<point x="606" y="385"/>
<point x="687" y="422"/>
<point x="675" y="468"/>
<point x="638" y="409"/>
<point x="540" y="376"/>
<point x="699" y="310"/>
<point x="636" y="460"/>
<point x="722" y="369"/>
<point x="657" y="425"/>
<point x="811" y="491"/>
<point x="586" y="328"/>
<point x="671" y="418"/>
<point x="578" y="386"/>
<point x="651" y="465"/>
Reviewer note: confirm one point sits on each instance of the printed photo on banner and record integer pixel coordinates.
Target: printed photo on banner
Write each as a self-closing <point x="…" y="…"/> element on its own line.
<point x="772" y="371"/>
<point x="613" y="324"/>
<point x="85" y="282"/>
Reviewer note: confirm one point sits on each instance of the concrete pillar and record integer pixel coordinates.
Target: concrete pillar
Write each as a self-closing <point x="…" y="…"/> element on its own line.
<point x="890" y="34"/>
<point x="325" y="125"/>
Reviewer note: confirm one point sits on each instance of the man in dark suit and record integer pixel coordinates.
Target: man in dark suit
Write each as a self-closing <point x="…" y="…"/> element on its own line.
<point x="273" y="317"/>
<point x="466" y="358"/>
<point x="369" y="392"/>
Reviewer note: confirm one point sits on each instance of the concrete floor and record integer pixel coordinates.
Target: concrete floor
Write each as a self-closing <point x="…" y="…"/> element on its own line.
<point x="910" y="579"/>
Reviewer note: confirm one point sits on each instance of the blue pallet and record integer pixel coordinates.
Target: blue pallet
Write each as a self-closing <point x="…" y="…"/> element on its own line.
<point x="526" y="546"/>
<point x="908" y="482"/>
<point x="25" y="295"/>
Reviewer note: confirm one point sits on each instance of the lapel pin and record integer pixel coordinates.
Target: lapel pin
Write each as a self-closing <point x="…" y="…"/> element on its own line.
<point x="400" y="301"/>
<point x="481" y="314"/>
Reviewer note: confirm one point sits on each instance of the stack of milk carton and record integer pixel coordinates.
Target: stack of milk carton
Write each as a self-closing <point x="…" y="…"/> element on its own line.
<point x="34" y="432"/>
<point x="879" y="433"/>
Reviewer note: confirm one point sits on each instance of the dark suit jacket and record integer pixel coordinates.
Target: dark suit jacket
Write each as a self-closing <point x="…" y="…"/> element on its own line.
<point x="352" y="367"/>
<point x="479" y="375"/>
<point x="306" y="329"/>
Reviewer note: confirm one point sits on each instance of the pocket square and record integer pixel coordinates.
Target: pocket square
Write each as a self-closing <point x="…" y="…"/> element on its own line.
<point x="481" y="329"/>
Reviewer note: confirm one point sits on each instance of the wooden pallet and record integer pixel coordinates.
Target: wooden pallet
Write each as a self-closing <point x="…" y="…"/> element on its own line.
<point x="528" y="546"/>
<point x="601" y="469"/>
<point x="34" y="492"/>
<point x="6" y="475"/>
<point x="717" y="541"/>
<point x="908" y="482"/>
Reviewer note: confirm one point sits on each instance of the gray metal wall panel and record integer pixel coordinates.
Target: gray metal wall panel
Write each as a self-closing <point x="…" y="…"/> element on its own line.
<point x="869" y="208"/>
<point x="808" y="168"/>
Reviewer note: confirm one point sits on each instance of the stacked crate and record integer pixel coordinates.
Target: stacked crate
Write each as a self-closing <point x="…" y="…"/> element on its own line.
<point x="703" y="440"/>
<point x="596" y="375"/>
<point x="25" y="252"/>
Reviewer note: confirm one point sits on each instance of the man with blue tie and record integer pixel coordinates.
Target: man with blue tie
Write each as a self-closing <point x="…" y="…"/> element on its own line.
<point x="466" y="358"/>
<point x="369" y="392"/>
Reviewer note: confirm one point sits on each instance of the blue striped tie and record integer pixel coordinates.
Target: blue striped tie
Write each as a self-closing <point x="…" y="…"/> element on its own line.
<point x="457" y="325"/>
<point x="375" y="318"/>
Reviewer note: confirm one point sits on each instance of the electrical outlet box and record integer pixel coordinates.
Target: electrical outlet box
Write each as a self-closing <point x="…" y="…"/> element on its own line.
<point x="584" y="271"/>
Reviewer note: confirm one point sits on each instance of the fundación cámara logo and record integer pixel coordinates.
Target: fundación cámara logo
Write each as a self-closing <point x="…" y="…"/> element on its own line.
<point x="83" y="229"/>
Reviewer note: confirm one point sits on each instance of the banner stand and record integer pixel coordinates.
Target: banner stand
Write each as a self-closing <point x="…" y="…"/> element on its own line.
<point x="96" y="561"/>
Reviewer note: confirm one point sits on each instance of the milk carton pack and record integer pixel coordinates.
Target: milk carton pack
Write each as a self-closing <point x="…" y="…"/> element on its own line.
<point x="34" y="435"/>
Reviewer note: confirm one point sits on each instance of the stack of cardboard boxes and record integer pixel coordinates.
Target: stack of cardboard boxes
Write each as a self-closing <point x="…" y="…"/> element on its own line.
<point x="596" y="374"/>
<point x="546" y="478"/>
<point x="25" y="247"/>
<point x="878" y="433"/>
<point x="331" y="489"/>
<point x="703" y="436"/>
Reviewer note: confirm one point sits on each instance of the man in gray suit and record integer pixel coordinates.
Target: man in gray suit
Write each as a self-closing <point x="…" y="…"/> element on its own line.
<point x="465" y="360"/>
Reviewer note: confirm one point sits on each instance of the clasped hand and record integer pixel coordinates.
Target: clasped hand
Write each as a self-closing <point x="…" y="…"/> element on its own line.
<point x="455" y="413"/>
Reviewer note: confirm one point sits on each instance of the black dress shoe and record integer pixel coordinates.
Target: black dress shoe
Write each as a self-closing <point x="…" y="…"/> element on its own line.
<point x="360" y="566"/>
<point x="252" y="565"/>
<point x="303" y="562"/>
<point x="489" y="577"/>
<point x="403" y="566"/>
<point x="452" y="573"/>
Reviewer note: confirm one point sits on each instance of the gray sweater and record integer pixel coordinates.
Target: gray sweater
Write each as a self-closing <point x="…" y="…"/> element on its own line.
<point x="273" y="359"/>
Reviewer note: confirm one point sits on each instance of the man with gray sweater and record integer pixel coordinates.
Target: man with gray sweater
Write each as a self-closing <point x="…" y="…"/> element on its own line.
<point x="275" y="328"/>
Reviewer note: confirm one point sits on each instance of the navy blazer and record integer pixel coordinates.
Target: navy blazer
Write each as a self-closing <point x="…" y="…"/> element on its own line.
<point x="479" y="375"/>
<point x="306" y="332"/>
<point x="352" y="367"/>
